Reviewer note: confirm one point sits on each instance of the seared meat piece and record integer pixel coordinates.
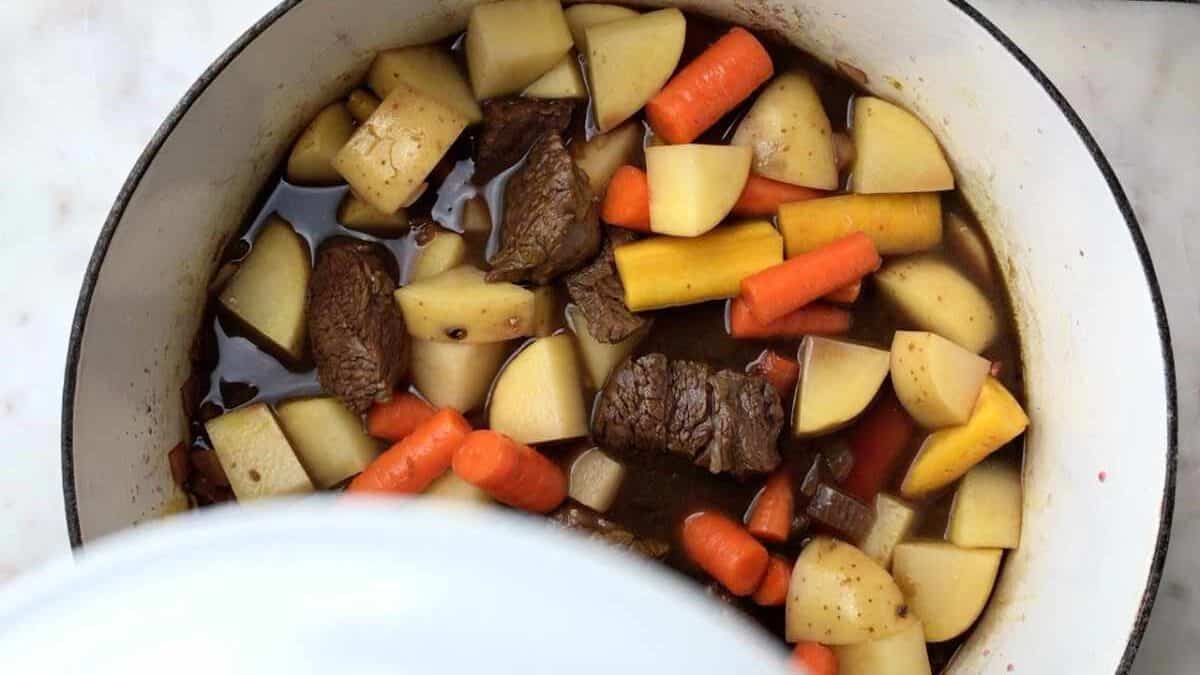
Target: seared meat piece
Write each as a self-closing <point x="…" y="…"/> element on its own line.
<point x="358" y="337"/>
<point x="836" y="509"/>
<point x="724" y="420"/>
<point x="510" y="126"/>
<point x="551" y="218"/>
<point x="598" y="292"/>
<point x="574" y="516"/>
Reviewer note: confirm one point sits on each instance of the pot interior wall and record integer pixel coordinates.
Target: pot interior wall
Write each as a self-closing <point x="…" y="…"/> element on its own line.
<point x="1096" y="380"/>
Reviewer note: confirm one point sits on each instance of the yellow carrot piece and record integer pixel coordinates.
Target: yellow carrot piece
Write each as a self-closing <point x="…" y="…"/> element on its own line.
<point x="904" y="223"/>
<point x="670" y="271"/>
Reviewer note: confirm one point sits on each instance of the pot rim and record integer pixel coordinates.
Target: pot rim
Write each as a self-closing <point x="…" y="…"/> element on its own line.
<point x="210" y="74"/>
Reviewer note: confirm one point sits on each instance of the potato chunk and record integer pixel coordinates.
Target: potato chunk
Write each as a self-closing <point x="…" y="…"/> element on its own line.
<point x="269" y="290"/>
<point x="454" y="375"/>
<point x="936" y="380"/>
<point x="837" y="381"/>
<point x="630" y="60"/>
<point x="329" y="439"/>
<point x="428" y="69"/>
<point x="356" y="214"/>
<point x="894" y="521"/>
<point x="389" y="156"/>
<point x="895" y="151"/>
<point x="594" y="479"/>
<point x="445" y="251"/>
<point x="582" y="16"/>
<point x="562" y="81"/>
<point x="311" y="161"/>
<point x="604" y="154"/>
<point x="790" y="134"/>
<point x="693" y="187"/>
<point x="940" y="299"/>
<point x="946" y="586"/>
<point x="458" y="305"/>
<point x="600" y="358"/>
<point x="511" y="43"/>
<point x="256" y="456"/>
<point x="538" y="397"/>
<point x="901" y="654"/>
<point x="986" y="512"/>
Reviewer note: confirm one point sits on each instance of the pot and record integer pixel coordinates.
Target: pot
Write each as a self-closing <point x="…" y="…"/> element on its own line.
<point x="1101" y="451"/>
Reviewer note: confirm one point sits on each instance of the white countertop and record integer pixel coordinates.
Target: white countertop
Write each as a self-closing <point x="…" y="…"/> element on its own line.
<point x="86" y="82"/>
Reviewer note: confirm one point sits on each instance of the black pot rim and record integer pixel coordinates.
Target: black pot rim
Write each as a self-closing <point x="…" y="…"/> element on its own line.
<point x="213" y="71"/>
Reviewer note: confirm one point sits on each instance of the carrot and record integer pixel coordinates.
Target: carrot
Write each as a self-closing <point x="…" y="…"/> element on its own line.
<point x="792" y="284"/>
<point x="814" y="658"/>
<point x="845" y="295"/>
<point x="511" y="472"/>
<point x="771" y="512"/>
<point x="408" y="467"/>
<point x="725" y="550"/>
<point x="398" y="417"/>
<point x="878" y="443"/>
<point x="774" y="587"/>
<point x="713" y="84"/>
<point x="762" y="196"/>
<point x="780" y="371"/>
<point x="627" y="201"/>
<point x="816" y="319"/>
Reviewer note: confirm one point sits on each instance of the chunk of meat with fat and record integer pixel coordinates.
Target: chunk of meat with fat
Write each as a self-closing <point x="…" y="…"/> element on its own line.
<point x="359" y="341"/>
<point x="551" y="222"/>
<point x="724" y="421"/>
<point x="581" y="519"/>
<point x="510" y="127"/>
<point x="596" y="288"/>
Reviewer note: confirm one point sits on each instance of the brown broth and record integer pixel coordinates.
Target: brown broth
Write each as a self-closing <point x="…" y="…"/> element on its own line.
<point x="230" y="370"/>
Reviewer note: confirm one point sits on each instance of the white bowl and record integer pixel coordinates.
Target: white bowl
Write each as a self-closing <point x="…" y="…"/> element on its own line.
<point x="1099" y="470"/>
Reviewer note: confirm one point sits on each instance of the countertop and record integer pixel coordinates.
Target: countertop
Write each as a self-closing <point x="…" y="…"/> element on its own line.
<point x="86" y="83"/>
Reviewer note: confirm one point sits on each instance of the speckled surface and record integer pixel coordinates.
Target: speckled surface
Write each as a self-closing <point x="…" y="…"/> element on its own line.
<point x="86" y="83"/>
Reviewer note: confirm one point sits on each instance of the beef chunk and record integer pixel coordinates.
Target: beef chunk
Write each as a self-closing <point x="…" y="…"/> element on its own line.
<point x="723" y="420"/>
<point x="510" y="126"/>
<point x="836" y="509"/>
<point x="597" y="290"/>
<point x="358" y="337"/>
<point x="581" y="519"/>
<point x="551" y="221"/>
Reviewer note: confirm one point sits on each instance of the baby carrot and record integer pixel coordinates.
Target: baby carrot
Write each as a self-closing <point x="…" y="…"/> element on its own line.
<point x="398" y="417"/>
<point x="408" y="467"/>
<point x="510" y="472"/>
<point x="814" y="658"/>
<point x="725" y="550"/>
<point x="771" y="513"/>
<point x="815" y="319"/>
<point x="792" y="284"/>
<point x="774" y="587"/>
<point x="713" y="84"/>
<point x="627" y="201"/>
<point x="762" y="196"/>
<point x="845" y="295"/>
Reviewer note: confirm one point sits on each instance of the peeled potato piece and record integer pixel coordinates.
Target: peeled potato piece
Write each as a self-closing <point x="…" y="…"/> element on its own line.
<point x="895" y="151"/>
<point x="986" y="512"/>
<point x="445" y="251"/>
<point x="594" y="479"/>
<point x="538" y="397"/>
<point x="837" y="381"/>
<point x="311" y="161"/>
<point x="580" y="17"/>
<point x="562" y="81"/>
<point x="511" y="43"/>
<point x="256" y="456"/>
<point x="693" y="186"/>
<point x="946" y="586"/>
<point x="329" y="439"/>
<point x="604" y="154"/>
<point x="600" y="358"/>
<point x="454" y="375"/>
<point x="630" y="60"/>
<point x="790" y="134"/>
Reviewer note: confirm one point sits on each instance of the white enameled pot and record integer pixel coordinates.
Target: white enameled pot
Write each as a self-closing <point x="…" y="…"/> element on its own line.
<point x="1099" y="470"/>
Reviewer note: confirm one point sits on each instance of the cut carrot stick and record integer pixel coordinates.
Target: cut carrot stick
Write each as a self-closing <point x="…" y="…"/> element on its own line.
<point x="816" y="319"/>
<point x="510" y="472"/>
<point x="409" y="466"/>
<point x="397" y="418"/>
<point x="878" y="444"/>
<point x="779" y="370"/>
<point x="706" y="89"/>
<point x="774" y="587"/>
<point x="627" y="201"/>
<point x="762" y="196"/>
<point x="772" y="510"/>
<point x="814" y="658"/>
<point x="792" y="284"/>
<point x="725" y="550"/>
<point x="845" y="295"/>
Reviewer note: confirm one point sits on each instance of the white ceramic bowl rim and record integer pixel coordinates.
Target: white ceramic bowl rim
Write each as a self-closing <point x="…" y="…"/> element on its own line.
<point x="214" y="70"/>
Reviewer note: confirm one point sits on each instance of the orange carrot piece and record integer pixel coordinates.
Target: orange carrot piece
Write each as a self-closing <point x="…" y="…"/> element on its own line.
<point x="815" y="319"/>
<point x="397" y="418"/>
<point x="762" y="196"/>
<point x="878" y="443"/>
<point x="779" y="370"/>
<point x="725" y="550"/>
<point x="792" y="284"/>
<point x="408" y="467"/>
<point x="773" y="590"/>
<point x="846" y="295"/>
<point x="772" y="510"/>
<point x="627" y="200"/>
<point x="814" y="658"/>
<point x="511" y="472"/>
<point x="706" y="89"/>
